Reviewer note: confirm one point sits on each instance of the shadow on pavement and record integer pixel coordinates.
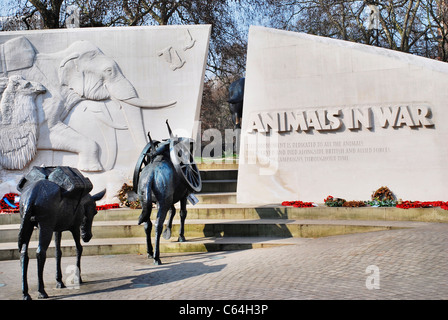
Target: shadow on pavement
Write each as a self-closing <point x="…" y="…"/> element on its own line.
<point x="155" y="276"/>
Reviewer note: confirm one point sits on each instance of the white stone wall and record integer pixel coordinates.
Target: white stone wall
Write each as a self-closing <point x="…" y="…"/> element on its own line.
<point x="368" y="117"/>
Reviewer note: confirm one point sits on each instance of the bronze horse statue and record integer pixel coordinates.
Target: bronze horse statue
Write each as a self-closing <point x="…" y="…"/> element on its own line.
<point x="55" y="199"/>
<point x="165" y="174"/>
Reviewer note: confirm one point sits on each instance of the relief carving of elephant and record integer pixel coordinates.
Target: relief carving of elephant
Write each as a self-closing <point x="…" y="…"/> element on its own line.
<point x="80" y="72"/>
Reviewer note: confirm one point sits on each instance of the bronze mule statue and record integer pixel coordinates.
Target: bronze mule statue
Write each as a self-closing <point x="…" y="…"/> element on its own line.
<point x="236" y="98"/>
<point x="165" y="174"/>
<point x="55" y="199"/>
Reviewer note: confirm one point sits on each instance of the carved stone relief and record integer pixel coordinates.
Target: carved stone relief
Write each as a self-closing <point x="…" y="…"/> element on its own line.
<point x="83" y="73"/>
<point x="189" y="41"/>
<point x="172" y="56"/>
<point x="86" y="110"/>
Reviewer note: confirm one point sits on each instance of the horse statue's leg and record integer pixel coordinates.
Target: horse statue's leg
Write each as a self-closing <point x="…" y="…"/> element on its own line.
<point x="167" y="233"/>
<point x="26" y="230"/>
<point x="183" y="216"/>
<point x="58" y="255"/>
<point x="164" y="206"/>
<point x="45" y="235"/>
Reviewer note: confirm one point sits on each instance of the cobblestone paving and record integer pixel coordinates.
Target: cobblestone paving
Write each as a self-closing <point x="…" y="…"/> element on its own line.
<point x="407" y="264"/>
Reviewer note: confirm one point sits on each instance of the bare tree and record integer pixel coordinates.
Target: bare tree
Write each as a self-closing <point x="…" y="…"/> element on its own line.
<point x="403" y="25"/>
<point x="437" y="11"/>
<point x="49" y="11"/>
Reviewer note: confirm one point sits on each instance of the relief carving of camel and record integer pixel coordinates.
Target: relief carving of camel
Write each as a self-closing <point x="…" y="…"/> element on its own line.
<point x="18" y="121"/>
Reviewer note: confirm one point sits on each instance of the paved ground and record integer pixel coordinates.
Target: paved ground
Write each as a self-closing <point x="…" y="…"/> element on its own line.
<point x="397" y="264"/>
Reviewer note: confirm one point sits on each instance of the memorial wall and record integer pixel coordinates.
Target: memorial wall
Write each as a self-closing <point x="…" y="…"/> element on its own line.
<point x="87" y="97"/>
<point x="329" y="117"/>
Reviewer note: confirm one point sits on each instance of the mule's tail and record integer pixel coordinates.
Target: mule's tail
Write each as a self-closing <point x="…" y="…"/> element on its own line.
<point x="146" y="201"/>
<point x="27" y="223"/>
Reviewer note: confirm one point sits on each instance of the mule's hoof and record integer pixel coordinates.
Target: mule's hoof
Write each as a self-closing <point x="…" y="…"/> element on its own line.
<point x="43" y="295"/>
<point x="150" y="255"/>
<point x="26" y="297"/>
<point x="181" y="239"/>
<point x="157" y="262"/>
<point x="166" y="234"/>
<point x="60" y="285"/>
<point x="143" y="218"/>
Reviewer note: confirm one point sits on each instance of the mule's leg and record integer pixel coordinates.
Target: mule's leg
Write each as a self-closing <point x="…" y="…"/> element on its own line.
<point x="183" y="216"/>
<point x="24" y="259"/>
<point x="148" y="229"/>
<point x="146" y="213"/>
<point x="45" y="235"/>
<point x="167" y="233"/>
<point x="26" y="230"/>
<point x="161" y="215"/>
<point x="58" y="256"/>
<point x="237" y="121"/>
<point x="77" y="237"/>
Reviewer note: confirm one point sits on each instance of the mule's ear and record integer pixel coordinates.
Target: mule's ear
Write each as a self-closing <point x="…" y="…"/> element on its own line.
<point x="99" y="195"/>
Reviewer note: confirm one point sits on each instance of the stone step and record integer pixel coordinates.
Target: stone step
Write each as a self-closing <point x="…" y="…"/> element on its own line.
<point x="228" y="228"/>
<point x="218" y="186"/>
<point x="226" y="164"/>
<point x="9" y="251"/>
<point x="116" y="237"/>
<point x="219" y="174"/>
<point x="217" y="197"/>
<point x="219" y="180"/>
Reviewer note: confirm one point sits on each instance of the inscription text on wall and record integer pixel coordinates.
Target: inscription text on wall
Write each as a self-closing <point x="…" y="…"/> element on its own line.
<point x="353" y="118"/>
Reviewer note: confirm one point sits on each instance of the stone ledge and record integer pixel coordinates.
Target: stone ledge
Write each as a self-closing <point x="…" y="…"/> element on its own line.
<point x="247" y="211"/>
